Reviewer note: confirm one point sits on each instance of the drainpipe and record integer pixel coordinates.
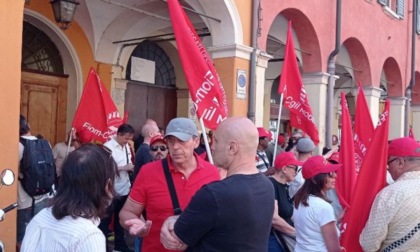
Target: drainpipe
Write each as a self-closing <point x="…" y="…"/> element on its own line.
<point x="413" y="70"/>
<point x="253" y="61"/>
<point x="331" y="78"/>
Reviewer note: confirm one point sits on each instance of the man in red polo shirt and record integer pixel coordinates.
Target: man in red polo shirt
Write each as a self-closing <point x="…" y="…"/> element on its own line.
<point x="150" y="190"/>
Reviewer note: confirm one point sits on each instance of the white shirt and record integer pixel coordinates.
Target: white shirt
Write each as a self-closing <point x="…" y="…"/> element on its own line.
<point x="47" y="234"/>
<point x="122" y="156"/>
<point x="60" y="153"/>
<point x="297" y="183"/>
<point x="308" y="222"/>
<point x="24" y="200"/>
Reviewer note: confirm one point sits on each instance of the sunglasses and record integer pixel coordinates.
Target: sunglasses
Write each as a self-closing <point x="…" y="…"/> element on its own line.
<point x="156" y="148"/>
<point x="392" y="160"/>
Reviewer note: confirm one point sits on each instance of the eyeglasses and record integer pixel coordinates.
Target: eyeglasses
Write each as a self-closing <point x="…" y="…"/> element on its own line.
<point x="332" y="174"/>
<point x="292" y="167"/>
<point x="156" y="148"/>
<point x="392" y="160"/>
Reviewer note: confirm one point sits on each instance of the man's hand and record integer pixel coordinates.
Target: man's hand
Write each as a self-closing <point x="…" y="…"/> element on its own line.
<point x="137" y="227"/>
<point x="168" y="237"/>
<point x="128" y="167"/>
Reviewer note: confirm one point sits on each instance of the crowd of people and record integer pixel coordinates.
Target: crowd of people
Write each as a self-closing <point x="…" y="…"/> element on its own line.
<point x="168" y="196"/>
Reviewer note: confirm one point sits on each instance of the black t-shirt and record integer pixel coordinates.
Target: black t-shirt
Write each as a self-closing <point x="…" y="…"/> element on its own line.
<point x="284" y="202"/>
<point x="233" y="214"/>
<point x="142" y="157"/>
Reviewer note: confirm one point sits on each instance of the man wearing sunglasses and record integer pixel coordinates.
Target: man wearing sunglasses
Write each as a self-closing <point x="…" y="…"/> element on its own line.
<point x="394" y="220"/>
<point x="158" y="148"/>
<point x="188" y="173"/>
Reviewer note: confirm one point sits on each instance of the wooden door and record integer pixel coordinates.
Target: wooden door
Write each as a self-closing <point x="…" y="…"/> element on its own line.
<point x="44" y="104"/>
<point x="143" y="101"/>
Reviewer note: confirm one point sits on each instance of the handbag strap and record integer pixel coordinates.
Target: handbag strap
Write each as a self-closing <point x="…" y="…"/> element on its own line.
<point x="401" y="241"/>
<point x="171" y="187"/>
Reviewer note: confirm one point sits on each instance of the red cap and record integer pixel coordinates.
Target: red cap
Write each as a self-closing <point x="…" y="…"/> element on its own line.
<point x="264" y="133"/>
<point x="316" y="165"/>
<point x="404" y="147"/>
<point x="157" y="138"/>
<point x="335" y="157"/>
<point x="280" y="140"/>
<point x="285" y="159"/>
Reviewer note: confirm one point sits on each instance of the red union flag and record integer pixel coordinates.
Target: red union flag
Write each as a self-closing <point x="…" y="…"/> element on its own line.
<point x="295" y="98"/>
<point x="363" y="127"/>
<point x="346" y="177"/>
<point x="371" y="179"/>
<point x="96" y="118"/>
<point x="203" y="81"/>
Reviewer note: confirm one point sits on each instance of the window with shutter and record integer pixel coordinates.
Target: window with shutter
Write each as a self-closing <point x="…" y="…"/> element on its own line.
<point x="384" y="2"/>
<point x="395" y="8"/>
<point x="418" y="17"/>
<point x="400" y="8"/>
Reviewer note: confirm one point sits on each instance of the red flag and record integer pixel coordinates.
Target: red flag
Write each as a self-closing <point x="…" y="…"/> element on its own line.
<point x="363" y="127"/>
<point x="125" y="119"/>
<point x="410" y="133"/>
<point x="371" y="179"/>
<point x="296" y="99"/>
<point x="346" y="177"/>
<point x="96" y="118"/>
<point x="203" y="81"/>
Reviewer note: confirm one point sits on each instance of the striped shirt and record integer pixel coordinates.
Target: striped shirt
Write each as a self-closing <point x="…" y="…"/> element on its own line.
<point x="261" y="161"/>
<point x="47" y="234"/>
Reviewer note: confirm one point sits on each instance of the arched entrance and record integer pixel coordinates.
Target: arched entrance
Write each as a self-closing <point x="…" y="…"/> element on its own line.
<point x="43" y="85"/>
<point x="151" y="89"/>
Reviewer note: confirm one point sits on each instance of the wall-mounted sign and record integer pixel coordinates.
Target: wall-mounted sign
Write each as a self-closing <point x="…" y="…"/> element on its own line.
<point x="241" y="84"/>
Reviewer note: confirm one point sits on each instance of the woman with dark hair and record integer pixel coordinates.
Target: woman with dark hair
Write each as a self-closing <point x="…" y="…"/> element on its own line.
<point x="86" y="190"/>
<point x="314" y="218"/>
<point x="285" y="168"/>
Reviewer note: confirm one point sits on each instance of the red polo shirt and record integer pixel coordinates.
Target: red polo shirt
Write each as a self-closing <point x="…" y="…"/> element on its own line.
<point x="151" y="190"/>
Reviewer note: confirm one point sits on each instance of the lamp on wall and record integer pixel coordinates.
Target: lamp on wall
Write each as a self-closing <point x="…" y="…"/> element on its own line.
<point x="64" y="11"/>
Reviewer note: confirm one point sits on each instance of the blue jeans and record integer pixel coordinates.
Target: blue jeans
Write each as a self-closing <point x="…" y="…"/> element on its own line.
<point x="24" y="216"/>
<point x="273" y="244"/>
<point x="138" y="241"/>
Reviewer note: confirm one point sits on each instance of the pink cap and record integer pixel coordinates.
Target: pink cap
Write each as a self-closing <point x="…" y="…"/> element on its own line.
<point x="404" y="147"/>
<point x="316" y="165"/>
<point x="264" y="133"/>
<point x="157" y="138"/>
<point x="285" y="159"/>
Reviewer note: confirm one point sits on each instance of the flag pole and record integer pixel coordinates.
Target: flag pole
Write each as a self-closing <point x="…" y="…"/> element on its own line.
<point x="69" y="139"/>
<point x="277" y="129"/>
<point x="206" y="141"/>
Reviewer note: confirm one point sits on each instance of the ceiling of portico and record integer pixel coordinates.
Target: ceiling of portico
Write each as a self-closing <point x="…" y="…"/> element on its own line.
<point x="107" y="21"/>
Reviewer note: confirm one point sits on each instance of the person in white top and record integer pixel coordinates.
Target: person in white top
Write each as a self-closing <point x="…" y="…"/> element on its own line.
<point x="61" y="150"/>
<point x="304" y="149"/>
<point x="24" y="212"/>
<point x="70" y="224"/>
<point x="314" y="218"/>
<point x="122" y="155"/>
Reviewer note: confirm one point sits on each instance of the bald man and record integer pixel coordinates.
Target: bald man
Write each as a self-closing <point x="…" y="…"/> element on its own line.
<point x="234" y="214"/>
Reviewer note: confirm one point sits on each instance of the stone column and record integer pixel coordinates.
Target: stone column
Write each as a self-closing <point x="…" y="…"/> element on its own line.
<point x="415" y="115"/>
<point x="373" y="95"/>
<point x="228" y="59"/>
<point x="118" y="94"/>
<point x="263" y="92"/>
<point x="315" y="85"/>
<point x="396" y="123"/>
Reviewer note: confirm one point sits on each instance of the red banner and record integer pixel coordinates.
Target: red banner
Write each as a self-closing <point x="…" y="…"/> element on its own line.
<point x="363" y="127"/>
<point x="203" y="81"/>
<point x="295" y="98"/>
<point x="96" y="118"/>
<point x="371" y="179"/>
<point x="346" y="177"/>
